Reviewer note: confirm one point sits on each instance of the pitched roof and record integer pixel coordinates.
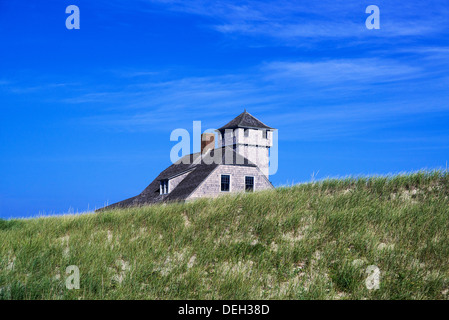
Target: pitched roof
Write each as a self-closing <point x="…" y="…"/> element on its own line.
<point x="245" y="120"/>
<point x="199" y="169"/>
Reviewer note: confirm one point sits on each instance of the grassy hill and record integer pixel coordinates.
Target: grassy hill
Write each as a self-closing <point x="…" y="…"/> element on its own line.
<point x="309" y="241"/>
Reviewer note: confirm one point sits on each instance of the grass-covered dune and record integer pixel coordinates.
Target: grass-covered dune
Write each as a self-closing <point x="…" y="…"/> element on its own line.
<point x="309" y="241"/>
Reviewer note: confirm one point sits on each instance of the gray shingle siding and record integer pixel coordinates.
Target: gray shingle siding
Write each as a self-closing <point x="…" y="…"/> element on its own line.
<point x="211" y="186"/>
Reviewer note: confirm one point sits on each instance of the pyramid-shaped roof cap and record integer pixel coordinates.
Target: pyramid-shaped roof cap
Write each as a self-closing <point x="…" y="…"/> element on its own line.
<point x="245" y="120"/>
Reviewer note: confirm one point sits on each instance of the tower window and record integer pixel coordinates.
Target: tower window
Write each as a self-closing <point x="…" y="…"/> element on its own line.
<point x="246" y="132"/>
<point x="249" y="184"/>
<point x="225" y="182"/>
<point x="265" y="134"/>
<point x="164" y="186"/>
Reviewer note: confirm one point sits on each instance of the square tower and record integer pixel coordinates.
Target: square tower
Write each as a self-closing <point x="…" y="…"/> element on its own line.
<point x="249" y="137"/>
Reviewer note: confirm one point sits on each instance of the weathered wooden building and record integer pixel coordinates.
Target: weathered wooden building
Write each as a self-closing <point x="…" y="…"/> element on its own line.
<point x="239" y="164"/>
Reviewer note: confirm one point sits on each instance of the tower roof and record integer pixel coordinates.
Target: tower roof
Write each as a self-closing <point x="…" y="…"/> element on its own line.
<point x="245" y="120"/>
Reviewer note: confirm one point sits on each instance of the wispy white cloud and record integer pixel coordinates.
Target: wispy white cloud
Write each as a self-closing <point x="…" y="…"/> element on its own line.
<point x="304" y="98"/>
<point x="363" y="70"/>
<point x="18" y="87"/>
<point x="160" y="103"/>
<point x="312" y="98"/>
<point x="322" y="122"/>
<point x="136" y="73"/>
<point x="292" y="20"/>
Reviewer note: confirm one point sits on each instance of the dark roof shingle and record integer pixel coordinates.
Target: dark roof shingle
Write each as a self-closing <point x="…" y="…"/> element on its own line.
<point x="245" y="120"/>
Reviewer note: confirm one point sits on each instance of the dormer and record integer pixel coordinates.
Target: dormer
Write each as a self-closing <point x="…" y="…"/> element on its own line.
<point x="168" y="184"/>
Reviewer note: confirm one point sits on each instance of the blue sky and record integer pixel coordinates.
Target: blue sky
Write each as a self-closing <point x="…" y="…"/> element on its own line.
<point x="86" y="115"/>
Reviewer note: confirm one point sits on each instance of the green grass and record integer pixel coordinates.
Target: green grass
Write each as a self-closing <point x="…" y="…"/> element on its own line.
<point x="309" y="241"/>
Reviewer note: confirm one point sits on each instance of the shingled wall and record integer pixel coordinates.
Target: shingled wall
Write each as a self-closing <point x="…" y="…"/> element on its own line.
<point x="212" y="184"/>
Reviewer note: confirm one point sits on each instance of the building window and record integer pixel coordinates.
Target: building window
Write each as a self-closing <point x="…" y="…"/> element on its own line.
<point x="164" y="186"/>
<point x="225" y="182"/>
<point x="265" y="134"/>
<point x="246" y="132"/>
<point x="249" y="184"/>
